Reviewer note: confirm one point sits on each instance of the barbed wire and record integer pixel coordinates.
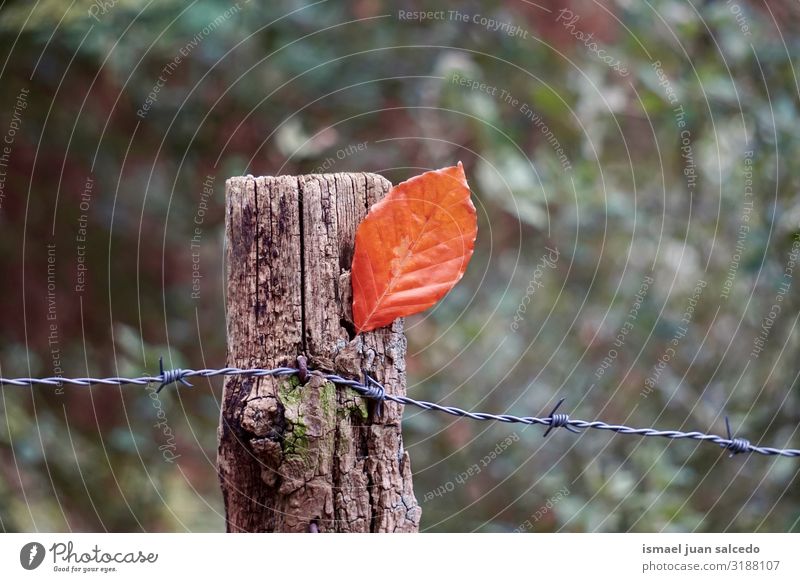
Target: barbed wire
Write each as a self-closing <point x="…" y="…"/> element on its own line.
<point x="372" y="389"/>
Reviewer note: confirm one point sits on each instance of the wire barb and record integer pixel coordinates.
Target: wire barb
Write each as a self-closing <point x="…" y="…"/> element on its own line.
<point x="558" y="420"/>
<point x="735" y="445"/>
<point x="302" y="369"/>
<point x="372" y="389"/>
<point x="375" y="391"/>
<point x="171" y="376"/>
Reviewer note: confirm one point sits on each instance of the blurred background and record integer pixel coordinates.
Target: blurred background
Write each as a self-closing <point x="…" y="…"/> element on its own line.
<point x="634" y="166"/>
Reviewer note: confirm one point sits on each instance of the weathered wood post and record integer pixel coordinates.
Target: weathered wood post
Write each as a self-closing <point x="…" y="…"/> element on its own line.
<point x="299" y="458"/>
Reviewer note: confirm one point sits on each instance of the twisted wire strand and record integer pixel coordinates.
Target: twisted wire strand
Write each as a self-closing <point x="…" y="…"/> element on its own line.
<point x="374" y="390"/>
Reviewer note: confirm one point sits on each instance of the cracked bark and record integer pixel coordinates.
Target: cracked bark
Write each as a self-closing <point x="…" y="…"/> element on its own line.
<point x="314" y="457"/>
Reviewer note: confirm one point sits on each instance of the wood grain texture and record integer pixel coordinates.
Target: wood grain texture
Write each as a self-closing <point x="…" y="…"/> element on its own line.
<point x="291" y="457"/>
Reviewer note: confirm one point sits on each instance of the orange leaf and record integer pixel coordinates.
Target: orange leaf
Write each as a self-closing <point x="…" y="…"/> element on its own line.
<point x="412" y="247"/>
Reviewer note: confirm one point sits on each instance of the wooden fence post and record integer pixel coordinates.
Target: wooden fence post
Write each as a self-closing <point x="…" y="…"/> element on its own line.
<point x="312" y="457"/>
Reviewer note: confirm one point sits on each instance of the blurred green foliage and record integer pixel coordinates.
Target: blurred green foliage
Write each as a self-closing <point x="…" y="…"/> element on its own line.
<point x="285" y="87"/>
